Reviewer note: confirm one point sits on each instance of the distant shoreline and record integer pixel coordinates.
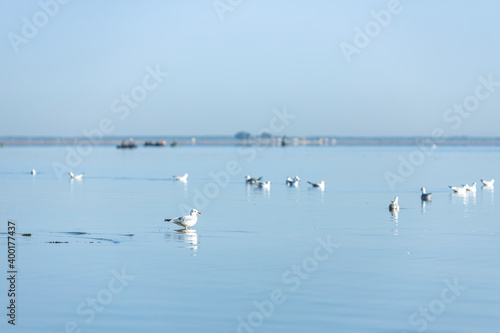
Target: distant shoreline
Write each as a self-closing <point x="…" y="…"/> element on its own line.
<point x="231" y="141"/>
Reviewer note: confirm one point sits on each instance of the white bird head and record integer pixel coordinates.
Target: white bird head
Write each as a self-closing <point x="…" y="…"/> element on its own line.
<point x="194" y="212"/>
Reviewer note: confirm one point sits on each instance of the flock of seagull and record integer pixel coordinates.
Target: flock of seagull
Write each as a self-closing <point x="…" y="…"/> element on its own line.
<point x="289" y="182"/>
<point x="71" y="175"/>
<point x="394" y="205"/>
<point x="190" y="220"/>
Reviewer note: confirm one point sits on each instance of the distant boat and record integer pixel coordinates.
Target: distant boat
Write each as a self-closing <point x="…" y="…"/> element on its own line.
<point x="127" y="145"/>
<point x="159" y="143"/>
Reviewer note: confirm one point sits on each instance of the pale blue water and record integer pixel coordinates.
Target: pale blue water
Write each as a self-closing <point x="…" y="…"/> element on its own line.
<point x="257" y="261"/>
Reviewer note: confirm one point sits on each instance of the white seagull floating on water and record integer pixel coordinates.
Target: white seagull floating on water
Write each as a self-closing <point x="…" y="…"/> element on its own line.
<point x="425" y="196"/>
<point x="186" y="221"/>
<point x="33" y="172"/>
<point x="250" y="180"/>
<point x="488" y="183"/>
<point x="470" y="188"/>
<point x="394" y="206"/>
<point x="264" y="185"/>
<point x="293" y="181"/>
<point x="75" y="177"/>
<point x="181" y="178"/>
<point x="320" y="185"/>
<point x="458" y="190"/>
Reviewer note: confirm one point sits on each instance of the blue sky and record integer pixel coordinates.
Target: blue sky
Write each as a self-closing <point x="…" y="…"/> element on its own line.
<point x="229" y="74"/>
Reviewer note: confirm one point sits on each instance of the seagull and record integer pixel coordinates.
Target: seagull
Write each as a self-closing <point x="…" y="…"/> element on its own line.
<point x="76" y="177"/>
<point x="470" y="188"/>
<point x="186" y="221"/>
<point x="425" y="196"/>
<point x="458" y="190"/>
<point x="292" y="181"/>
<point x="181" y="178"/>
<point x="320" y="185"/>
<point x="33" y="172"/>
<point x="251" y="180"/>
<point x="394" y="206"/>
<point x="488" y="183"/>
<point x="264" y="185"/>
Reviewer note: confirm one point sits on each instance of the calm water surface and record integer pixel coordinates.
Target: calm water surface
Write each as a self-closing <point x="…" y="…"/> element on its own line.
<point x="101" y="259"/>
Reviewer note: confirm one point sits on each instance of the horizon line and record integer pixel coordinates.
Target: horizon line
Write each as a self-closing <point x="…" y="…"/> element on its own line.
<point x="188" y="136"/>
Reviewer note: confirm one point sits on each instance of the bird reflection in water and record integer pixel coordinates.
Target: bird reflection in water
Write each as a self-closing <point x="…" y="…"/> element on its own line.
<point x="394" y="209"/>
<point x="463" y="198"/>
<point x="187" y="237"/>
<point x="261" y="189"/>
<point x="266" y="190"/>
<point x="424" y="205"/>
<point x="468" y="200"/>
<point x="489" y="191"/>
<point x="394" y="218"/>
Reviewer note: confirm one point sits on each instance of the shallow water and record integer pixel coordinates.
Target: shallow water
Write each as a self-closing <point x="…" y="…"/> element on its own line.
<point x="100" y="258"/>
